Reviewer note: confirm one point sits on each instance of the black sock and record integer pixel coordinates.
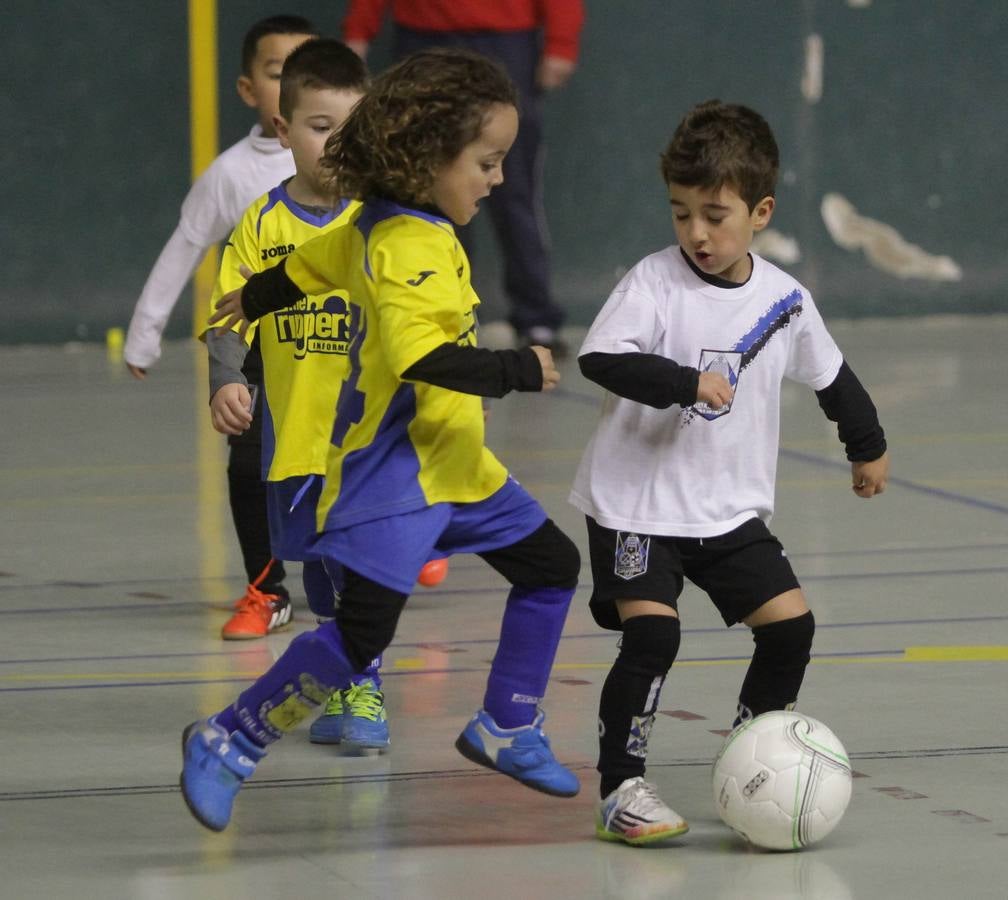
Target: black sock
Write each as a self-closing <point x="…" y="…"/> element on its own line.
<point x="247" y="496"/>
<point x="630" y="696"/>
<point x="778" y="665"/>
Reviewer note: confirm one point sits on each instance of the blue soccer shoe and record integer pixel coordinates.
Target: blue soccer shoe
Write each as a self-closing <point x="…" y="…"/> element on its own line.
<point x="214" y="765"/>
<point x="521" y="753"/>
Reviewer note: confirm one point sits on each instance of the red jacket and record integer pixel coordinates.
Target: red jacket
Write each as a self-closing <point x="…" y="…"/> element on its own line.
<point x="560" y="20"/>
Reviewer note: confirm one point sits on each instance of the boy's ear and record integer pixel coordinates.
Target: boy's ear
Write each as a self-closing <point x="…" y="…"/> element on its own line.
<point x="282" y="131"/>
<point x="246" y="91"/>
<point x="762" y="212"/>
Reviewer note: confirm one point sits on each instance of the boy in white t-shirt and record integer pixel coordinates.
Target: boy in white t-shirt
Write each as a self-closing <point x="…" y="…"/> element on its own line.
<point x="678" y="480"/>
<point x="211" y="209"/>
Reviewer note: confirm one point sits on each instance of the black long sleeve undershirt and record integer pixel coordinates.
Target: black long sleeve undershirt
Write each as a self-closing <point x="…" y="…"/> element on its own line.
<point x="475" y="370"/>
<point x="660" y="382"/>
<point x="469" y="370"/>
<point x="642" y="377"/>
<point x="268" y="291"/>
<point x="847" y="403"/>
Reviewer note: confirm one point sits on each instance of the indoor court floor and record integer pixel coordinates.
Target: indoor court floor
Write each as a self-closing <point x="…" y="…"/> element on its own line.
<point x="118" y="564"/>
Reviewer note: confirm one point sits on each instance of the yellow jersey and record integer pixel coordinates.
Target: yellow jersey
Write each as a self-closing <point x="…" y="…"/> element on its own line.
<point x="304" y="347"/>
<point x="397" y="446"/>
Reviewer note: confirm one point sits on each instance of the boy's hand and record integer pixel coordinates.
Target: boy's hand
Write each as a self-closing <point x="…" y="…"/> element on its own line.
<point x="138" y="373"/>
<point x="553" y="72"/>
<point x="230" y="409"/>
<point x="549" y="371"/>
<point x="229" y="310"/>
<point x="714" y="390"/>
<point x="869" y="478"/>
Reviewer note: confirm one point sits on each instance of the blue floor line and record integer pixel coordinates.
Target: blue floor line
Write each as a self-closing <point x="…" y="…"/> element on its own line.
<point x="813" y="459"/>
<point x="413" y="645"/>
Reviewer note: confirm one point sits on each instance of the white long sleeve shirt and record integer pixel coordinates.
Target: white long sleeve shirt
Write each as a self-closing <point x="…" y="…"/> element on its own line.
<point x="211" y="209"/>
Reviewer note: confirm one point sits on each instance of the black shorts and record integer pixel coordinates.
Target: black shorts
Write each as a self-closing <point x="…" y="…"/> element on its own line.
<point x="739" y="570"/>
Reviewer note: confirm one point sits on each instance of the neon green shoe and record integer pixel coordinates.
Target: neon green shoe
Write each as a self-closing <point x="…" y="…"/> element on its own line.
<point x="365" y="722"/>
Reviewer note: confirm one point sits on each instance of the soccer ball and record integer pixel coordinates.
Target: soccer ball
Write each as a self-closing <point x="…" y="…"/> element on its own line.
<point x="782" y="780"/>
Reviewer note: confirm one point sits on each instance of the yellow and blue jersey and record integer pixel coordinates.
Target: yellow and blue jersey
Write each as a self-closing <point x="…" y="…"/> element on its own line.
<point x="304" y="348"/>
<point x="397" y="446"/>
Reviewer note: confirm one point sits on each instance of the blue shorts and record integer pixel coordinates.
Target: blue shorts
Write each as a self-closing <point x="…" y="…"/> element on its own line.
<point x="393" y="550"/>
<point x="290" y="506"/>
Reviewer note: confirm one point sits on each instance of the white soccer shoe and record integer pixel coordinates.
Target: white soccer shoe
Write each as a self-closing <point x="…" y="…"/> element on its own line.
<point x="635" y="814"/>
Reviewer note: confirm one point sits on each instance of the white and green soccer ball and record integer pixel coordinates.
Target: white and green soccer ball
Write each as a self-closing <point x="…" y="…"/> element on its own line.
<point x="782" y="780"/>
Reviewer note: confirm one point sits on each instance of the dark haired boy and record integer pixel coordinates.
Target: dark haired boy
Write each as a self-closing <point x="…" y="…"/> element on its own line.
<point x="678" y="480"/>
<point x="212" y="207"/>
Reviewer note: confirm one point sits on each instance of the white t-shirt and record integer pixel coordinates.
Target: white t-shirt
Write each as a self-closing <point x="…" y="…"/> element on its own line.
<point x="211" y="209"/>
<point x="693" y="471"/>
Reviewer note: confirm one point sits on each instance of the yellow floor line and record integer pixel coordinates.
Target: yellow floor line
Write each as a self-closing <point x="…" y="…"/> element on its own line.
<point x="956" y="654"/>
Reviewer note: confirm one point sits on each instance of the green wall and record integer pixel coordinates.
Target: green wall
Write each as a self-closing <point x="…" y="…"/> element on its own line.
<point x="910" y="129"/>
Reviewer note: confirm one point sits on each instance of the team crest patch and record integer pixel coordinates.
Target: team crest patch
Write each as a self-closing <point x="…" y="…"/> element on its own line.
<point x="631" y="555"/>
<point x="721" y="362"/>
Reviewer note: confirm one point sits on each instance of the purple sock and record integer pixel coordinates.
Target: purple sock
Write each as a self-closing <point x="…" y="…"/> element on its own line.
<point x="227" y="719"/>
<point x="530" y="632"/>
<point x="371" y="672"/>
<point x="307" y="673"/>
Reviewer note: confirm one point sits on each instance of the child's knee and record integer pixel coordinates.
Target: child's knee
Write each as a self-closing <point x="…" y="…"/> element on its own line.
<point x="650" y="644"/>
<point x="564" y="567"/>
<point x="320" y="591"/>
<point x="788" y="640"/>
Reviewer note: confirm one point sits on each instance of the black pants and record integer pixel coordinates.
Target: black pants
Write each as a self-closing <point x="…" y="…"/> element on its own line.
<point x="247" y="490"/>
<point x="516" y="205"/>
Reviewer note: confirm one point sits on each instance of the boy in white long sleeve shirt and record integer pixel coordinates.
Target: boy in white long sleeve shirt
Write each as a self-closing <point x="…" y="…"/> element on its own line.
<point x="212" y="208"/>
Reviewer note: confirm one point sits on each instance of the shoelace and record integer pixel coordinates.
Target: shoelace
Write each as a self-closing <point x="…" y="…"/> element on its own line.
<point x="363" y="701"/>
<point x="253" y="597"/>
<point x="334" y="704"/>
<point x="644" y="798"/>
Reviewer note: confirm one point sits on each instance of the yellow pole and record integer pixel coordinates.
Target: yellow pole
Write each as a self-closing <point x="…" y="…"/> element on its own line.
<point x="211" y="526"/>
<point x="203" y="126"/>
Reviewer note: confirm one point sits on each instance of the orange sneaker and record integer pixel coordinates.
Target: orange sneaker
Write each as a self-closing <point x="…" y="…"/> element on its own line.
<point x="433" y="573"/>
<point x="258" y="613"/>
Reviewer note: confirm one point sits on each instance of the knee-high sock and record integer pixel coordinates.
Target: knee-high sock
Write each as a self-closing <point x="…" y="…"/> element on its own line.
<point x="778" y="666"/>
<point x="310" y="669"/>
<point x="323" y="583"/>
<point x="247" y="496"/>
<point x="530" y="632"/>
<point x="629" y="698"/>
<point x="371" y="673"/>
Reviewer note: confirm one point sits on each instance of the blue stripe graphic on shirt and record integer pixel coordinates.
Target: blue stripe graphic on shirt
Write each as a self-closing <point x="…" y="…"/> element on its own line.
<point x="382" y="478"/>
<point x="274" y="197"/>
<point x="772" y="321"/>
<point x="350" y="403"/>
<point x="749" y="345"/>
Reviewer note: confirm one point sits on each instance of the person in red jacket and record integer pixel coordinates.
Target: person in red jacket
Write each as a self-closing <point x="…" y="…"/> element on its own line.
<point x="536" y="41"/>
